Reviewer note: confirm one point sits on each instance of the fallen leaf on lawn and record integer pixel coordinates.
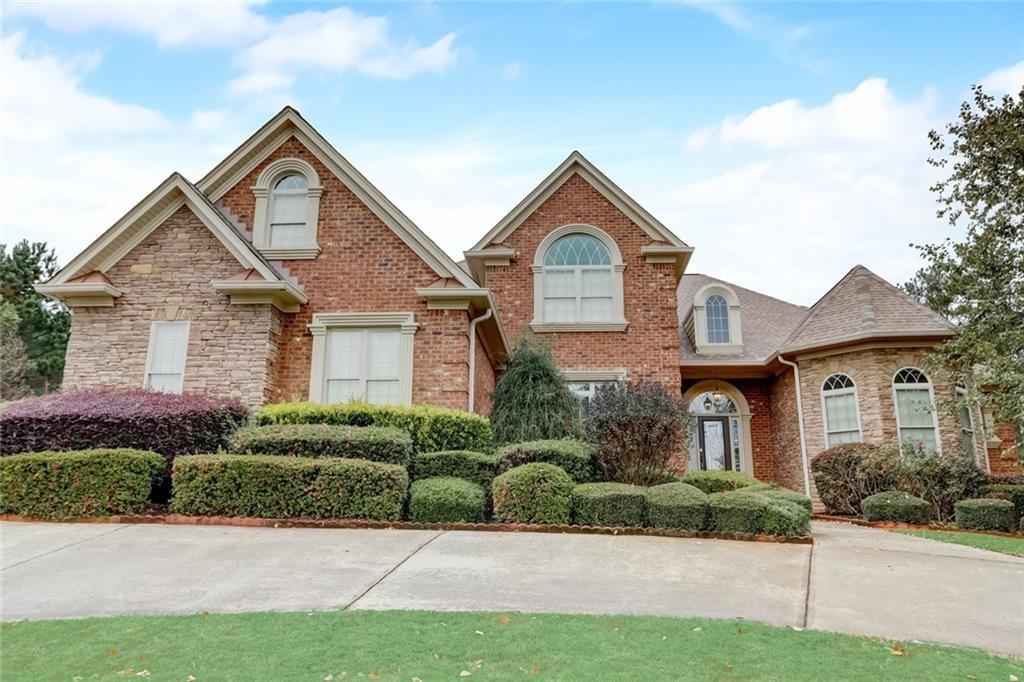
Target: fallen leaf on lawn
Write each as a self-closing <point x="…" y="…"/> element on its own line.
<point x="142" y="673"/>
<point x="438" y="657"/>
<point x="416" y="679"/>
<point x="373" y="675"/>
<point x="504" y="620"/>
<point x="190" y="678"/>
<point x="897" y="649"/>
<point x="698" y="629"/>
<point x="113" y="652"/>
<point x="796" y="627"/>
<point x="465" y="673"/>
<point x="664" y="638"/>
<point x="1013" y="678"/>
<point x="480" y="633"/>
<point x="328" y="678"/>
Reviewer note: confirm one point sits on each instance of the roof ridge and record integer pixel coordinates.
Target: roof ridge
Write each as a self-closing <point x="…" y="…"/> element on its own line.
<point x="748" y="289"/>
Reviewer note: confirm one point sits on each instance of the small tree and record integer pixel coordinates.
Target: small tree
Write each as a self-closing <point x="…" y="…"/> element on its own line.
<point x="14" y="365"/>
<point x="634" y="429"/>
<point x="531" y="400"/>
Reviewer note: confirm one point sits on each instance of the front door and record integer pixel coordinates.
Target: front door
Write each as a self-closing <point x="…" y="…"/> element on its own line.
<point x="713" y="441"/>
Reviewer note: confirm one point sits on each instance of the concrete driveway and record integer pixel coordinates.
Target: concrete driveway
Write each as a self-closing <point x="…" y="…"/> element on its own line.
<point x="853" y="580"/>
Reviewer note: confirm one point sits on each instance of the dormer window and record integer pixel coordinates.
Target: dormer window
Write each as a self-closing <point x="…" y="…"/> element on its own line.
<point x="714" y="322"/>
<point x="287" y="210"/>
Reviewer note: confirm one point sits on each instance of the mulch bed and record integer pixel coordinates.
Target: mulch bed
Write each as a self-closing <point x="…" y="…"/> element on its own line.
<point x="157" y="514"/>
<point x="890" y="525"/>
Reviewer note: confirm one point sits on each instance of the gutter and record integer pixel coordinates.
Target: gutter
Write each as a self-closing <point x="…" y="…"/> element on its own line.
<point x="800" y="419"/>
<point x="472" y="354"/>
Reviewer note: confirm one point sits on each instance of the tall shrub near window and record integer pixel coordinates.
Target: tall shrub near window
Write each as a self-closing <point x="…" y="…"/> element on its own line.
<point x="634" y="429"/>
<point x="531" y="400"/>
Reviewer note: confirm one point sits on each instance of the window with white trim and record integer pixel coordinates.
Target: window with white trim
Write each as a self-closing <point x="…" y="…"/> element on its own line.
<point x="165" y="360"/>
<point x="966" y="417"/>
<point x="714" y="324"/>
<point x="916" y="418"/>
<point x="288" y="212"/>
<point x="578" y="281"/>
<point x="717" y="310"/>
<point x="840" y="410"/>
<point x="585" y="391"/>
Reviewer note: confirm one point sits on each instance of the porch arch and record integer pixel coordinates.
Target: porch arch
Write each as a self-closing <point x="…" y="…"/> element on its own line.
<point x="742" y="413"/>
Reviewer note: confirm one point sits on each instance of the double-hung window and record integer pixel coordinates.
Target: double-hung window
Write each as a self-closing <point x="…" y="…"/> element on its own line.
<point x="915" y="409"/>
<point x="839" y="406"/>
<point x="165" y="361"/>
<point x="578" y="281"/>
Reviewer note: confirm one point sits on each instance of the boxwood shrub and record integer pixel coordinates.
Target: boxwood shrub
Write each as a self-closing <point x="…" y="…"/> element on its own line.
<point x="375" y="443"/>
<point x="894" y="505"/>
<point x="476" y="467"/>
<point x="268" y="486"/>
<point x="775" y="492"/>
<point x="533" y="493"/>
<point x="677" y="505"/>
<point x="786" y="517"/>
<point x="609" y="504"/>
<point x="740" y="511"/>
<point x="432" y="428"/>
<point x="75" y="484"/>
<point x="446" y="500"/>
<point x="986" y="514"/>
<point x="572" y="456"/>
<point x="719" y="481"/>
<point x="1013" y="492"/>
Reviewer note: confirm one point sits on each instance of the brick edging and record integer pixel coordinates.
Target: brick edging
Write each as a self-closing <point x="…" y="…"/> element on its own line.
<point x="182" y="520"/>
<point x="889" y="525"/>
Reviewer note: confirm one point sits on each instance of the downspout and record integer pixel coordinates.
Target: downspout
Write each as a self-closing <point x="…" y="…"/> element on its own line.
<point x="800" y="418"/>
<point x="472" y="355"/>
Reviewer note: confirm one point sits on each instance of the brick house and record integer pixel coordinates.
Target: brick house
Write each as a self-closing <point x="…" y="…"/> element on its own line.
<point x="285" y="274"/>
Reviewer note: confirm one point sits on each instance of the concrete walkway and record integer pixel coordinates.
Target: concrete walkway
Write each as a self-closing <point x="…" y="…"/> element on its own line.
<point x="854" y="580"/>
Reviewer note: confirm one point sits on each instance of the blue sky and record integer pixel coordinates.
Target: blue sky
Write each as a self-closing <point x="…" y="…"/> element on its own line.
<point x="785" y="142"/>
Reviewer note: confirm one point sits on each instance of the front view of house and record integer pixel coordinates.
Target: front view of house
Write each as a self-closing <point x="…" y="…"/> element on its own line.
<point x="285" y="274"/>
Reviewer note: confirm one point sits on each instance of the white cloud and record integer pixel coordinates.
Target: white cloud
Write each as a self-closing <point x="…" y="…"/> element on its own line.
<point x="512" y="71"/>
<point x="208" y="121"/>
<point x="259" y="82"/>
<point x="170" y="24"/>
<point x="1008" y="81"/>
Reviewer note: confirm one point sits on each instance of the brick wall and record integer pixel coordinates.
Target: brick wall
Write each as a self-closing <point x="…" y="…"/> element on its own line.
<point x="786" y="432"/>
<point x="483" y="381"/>
<point x="1004" y="455"/>
<point x="363" y="267"/>
<point x="649" y="348"/>
<point x="167" y="277"/>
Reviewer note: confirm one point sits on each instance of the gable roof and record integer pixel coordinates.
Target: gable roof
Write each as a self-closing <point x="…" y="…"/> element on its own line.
<point x="289" y="123"/>
<point x="767" y="322"/>
<point x="577" y="164"/>
<point x="863" y="306"/>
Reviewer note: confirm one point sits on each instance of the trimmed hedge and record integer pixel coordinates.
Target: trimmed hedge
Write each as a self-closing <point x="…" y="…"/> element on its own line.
<point x="533" y="493"/>
<point x="783" y="517"/>
<point x="609" y="504"/>
<point x="775" y="492"/>
<point x="677" y="505"/>
<point x="476" y="467"/>
<point x="572" y="456"/>
<point x="375" y="443"/>
<point x="986" y="515"/>
<point x="894" y="505"/>
<point x="446" y="500"/>
<point x="432" y="428"/>
<point x="75" y="484"/>
<point x="751" y="512"/>
<point x="1014" y="492"/>
<point x="268" y="486"/>
<point x="106" y="418"/>
<point x="719" y="481"/>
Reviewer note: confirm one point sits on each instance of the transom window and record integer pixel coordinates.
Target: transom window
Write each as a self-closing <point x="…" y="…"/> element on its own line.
<point x="288" y="212"/>
<point x="916" y="418"/>
<point x="578" y="281"/>
<point x="840" y="410"/>
<point x="717" y="310"/>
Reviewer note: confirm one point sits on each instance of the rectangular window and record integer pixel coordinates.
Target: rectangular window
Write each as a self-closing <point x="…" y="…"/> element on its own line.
<point x="966" y="424"/>
<point x="917" y="421"/>
<point x="579" y="294"/>
<point x="363" y="364"/>
<point x="165" y="362"/>
<point x="841" y="418"/>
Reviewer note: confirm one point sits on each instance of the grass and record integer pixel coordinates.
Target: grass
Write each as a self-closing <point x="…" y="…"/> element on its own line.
<point x="995" y="543"/>
<point x="411" y="645"/>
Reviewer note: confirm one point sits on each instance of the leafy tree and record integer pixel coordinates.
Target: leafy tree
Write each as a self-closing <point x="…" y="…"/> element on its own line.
<point x="43" y="325"/>
<point x="531" y="400"/>
<point x="13" y="358"/>
<point x="978" y="281"/>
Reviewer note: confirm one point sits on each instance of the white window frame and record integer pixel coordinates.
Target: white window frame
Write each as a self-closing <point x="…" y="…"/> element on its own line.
<point x="617" y="323"/>
<point x="403" y="322"/>
<point x="699" y="320"/>
<point x="152" y="342"/>
<point x="931" y="399"/>
<point x="592" y="377"/>
<point x="827" y="393"/>
<point x="961" y="392"/>
<point x="263" y="191"/>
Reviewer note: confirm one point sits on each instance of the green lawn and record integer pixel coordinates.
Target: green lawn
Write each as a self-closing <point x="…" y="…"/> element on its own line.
<point x="411" y="645"/>
<point x="996" y="543"/>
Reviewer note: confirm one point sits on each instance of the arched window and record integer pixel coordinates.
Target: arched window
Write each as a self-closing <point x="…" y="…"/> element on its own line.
<point x="578" y="282"/>
<point x="287" y="210"/>
<point x="717" y="310"/>
<point x="840" y="410"/>
<point x="916" y="419"/>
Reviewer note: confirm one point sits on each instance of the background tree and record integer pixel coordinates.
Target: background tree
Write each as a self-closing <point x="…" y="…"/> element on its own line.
<point x="978" y="281"/>
<point x="42" y="324"/>
<point x="13" y="358"/>
<point x="531" y="400"/>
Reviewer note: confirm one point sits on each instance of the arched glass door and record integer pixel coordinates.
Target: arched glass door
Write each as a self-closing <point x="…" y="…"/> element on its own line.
<point x="715" y="446"/>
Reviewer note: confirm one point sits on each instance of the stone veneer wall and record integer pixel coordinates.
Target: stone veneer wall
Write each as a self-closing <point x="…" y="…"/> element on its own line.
<point x="649" y="348"/>
<point x="363" y="266"/>
<point x="167" y="277"/>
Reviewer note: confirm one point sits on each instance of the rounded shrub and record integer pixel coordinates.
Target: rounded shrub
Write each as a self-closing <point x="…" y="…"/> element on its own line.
<point x="786" y="517"/>
<point x="775" y="492"/>
<point x="719" y="481"/>
<point x="677" y="505"/>
<point x="609" y="504"/>
<point x="375" y="443"/>
<point x="476" y="467"/>
<point x="894" y="505"/>
<point x="572" y="456"/>
<point x="730" y="512"/>
<point x="986" y="514"/>
<point x="533" y="493"/>
<point x="1014" y="492"/>
<point x="446" y="500"/>
<point x="846" y="474"/>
